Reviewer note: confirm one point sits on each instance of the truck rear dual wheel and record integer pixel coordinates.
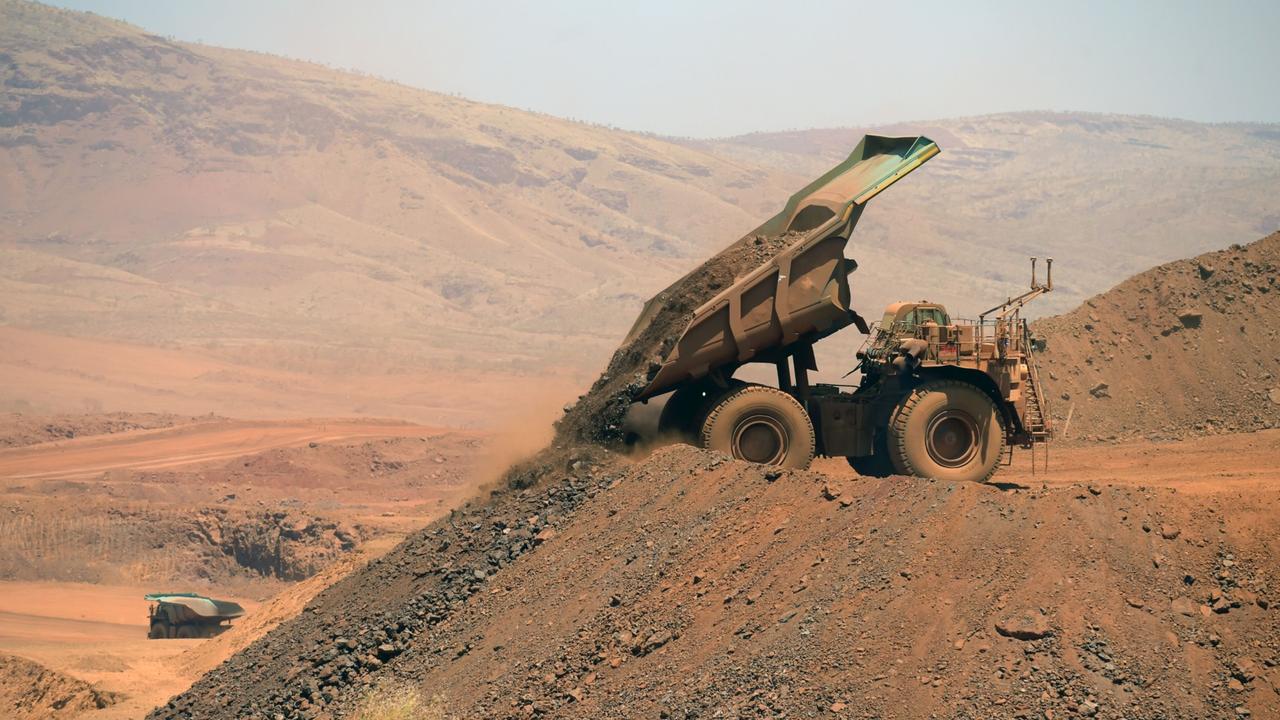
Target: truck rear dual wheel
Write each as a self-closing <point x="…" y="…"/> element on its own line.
<point x="946" y="429"/>
<point x="760" y="424"/>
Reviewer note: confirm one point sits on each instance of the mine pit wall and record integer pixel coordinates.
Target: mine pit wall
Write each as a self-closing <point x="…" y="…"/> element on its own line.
<point x="140" y="543"/>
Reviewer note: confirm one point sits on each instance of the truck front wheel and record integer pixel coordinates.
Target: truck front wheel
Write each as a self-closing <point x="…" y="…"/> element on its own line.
<point x="760" y="424"/>
<point x="946" y="429"/>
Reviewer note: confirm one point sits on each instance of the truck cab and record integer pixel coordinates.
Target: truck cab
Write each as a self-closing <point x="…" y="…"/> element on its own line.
<point x="921" y="320"/>
<point x="909" y="315"/>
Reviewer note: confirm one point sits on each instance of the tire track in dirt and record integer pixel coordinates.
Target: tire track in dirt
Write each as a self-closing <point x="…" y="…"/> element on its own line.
<point x="185" y="445"/>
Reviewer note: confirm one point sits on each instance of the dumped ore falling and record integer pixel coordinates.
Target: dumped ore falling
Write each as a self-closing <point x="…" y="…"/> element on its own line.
<point x="597" y="416"/>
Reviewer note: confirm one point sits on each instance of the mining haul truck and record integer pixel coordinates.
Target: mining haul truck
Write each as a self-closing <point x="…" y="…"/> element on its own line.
<point x="938" y="396"/>
<point x="186" y="615"/>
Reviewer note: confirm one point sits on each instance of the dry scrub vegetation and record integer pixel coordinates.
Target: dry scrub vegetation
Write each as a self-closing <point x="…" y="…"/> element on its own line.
<point x="394" y="701"/>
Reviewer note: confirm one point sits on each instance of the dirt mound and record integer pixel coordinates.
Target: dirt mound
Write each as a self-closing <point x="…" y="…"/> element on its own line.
<point x="20" y="430"/>
<point x="693" y="586"/>
<point x="1185" y="348"/>
<point x="597" y="416"/>
<point x="688" y="585"/>
<point x="31" y="691"/>
<point x="184" y="153"/>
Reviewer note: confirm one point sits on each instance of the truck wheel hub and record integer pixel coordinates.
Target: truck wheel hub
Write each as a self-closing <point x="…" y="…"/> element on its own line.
<point x="760" y="439"/>
<point x="952" y="438"/>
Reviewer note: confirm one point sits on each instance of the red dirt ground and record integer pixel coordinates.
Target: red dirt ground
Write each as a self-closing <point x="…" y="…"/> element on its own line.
<point x="1141" y="574"/>
<point x="128" y="508"/>
<point x="197" y="442"/>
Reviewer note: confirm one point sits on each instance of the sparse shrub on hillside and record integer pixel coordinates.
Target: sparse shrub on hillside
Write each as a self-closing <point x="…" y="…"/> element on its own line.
<point x="393" y="701"/>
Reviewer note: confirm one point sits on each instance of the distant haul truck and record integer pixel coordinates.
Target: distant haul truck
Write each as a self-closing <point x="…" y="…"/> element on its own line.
<point x="938" y="397"/>
<point x="186" y="615"/>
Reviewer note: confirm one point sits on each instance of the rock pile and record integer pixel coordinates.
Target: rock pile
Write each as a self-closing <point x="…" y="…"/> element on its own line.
<point x="281" y="543"/>
<point x="335" y="647"/>
<point x="1186" y="348"/>
<point x="690" y="585"/>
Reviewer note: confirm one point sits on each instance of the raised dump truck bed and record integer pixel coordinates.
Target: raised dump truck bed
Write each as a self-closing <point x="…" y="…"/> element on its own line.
<point x="937" y="397"/>
<point x="803" y="290"/>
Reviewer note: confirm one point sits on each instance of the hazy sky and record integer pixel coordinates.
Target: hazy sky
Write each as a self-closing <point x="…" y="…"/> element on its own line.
<point x="722" y="67"/>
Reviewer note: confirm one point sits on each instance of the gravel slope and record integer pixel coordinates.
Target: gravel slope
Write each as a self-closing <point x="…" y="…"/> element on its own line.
<point x="692" y="586"/>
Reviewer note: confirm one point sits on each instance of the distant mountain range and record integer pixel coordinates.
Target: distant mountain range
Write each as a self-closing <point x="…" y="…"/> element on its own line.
<point x="283" y="215"/>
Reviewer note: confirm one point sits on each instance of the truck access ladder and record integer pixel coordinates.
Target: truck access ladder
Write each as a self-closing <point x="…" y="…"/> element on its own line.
<point x="1008" y="318"/>
<point x="1034" y="419"/>
<point x="1035" y="416"/>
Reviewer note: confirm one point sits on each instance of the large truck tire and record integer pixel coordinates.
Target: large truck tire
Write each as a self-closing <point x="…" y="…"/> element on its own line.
<point x="877" y="464"/>
<point x="187" y="631"/>
<point x="946" y="429"/>
<point x="682" y="416"/>
<point x="760" y="424"/>
<point x="159" y="630"/>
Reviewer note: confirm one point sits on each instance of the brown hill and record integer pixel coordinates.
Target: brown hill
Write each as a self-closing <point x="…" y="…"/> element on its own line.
<point x="251" y="207"/>
<point x="692" y="586"/>
<point x="266" y="223"/>
<point x="1185" y="348"/>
